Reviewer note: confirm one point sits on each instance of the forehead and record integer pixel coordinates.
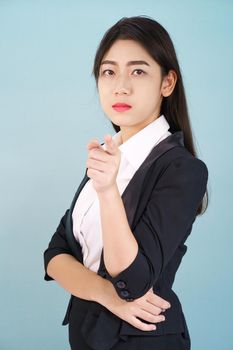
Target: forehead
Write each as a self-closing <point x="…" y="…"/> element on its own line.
<point x="123" y="50"/>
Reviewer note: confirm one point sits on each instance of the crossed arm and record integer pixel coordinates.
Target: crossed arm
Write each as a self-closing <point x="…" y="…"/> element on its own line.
<point x="78" y="280"/>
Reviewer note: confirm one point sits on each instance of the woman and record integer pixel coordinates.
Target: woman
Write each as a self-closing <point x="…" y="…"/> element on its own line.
<point x="119" y="245"/>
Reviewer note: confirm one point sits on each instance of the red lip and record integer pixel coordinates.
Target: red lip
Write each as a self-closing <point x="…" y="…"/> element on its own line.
<point x="121" y="105"/>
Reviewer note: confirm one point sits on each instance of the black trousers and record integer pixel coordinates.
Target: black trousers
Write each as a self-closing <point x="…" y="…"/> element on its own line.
<point x="178" y="341"/>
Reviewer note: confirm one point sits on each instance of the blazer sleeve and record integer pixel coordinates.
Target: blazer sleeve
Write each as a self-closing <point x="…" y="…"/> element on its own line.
<point x="58" y="245"/>
<point x="163" y="226"/>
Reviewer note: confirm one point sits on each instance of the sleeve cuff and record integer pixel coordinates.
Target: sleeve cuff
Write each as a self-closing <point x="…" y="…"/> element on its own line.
<point x="138" y="273"/>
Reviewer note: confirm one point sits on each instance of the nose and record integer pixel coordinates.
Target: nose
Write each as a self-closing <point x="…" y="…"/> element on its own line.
<point x="122" y="86"/>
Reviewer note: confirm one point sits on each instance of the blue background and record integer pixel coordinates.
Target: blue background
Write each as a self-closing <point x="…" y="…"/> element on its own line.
<point x="49" y="110"/>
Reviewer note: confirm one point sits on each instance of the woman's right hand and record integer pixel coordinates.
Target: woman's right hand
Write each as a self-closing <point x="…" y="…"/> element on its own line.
<point x="147" y="307"/>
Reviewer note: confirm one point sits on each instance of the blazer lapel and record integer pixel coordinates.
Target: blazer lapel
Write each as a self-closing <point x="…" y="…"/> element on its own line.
<point x="131" y="194"/>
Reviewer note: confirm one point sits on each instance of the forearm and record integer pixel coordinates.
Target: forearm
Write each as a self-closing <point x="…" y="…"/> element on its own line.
<point x="79" y="280"/>
<point x="120" y="245"/>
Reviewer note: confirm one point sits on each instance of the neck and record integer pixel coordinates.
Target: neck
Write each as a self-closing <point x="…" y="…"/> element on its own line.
<point x="129" y="131"/>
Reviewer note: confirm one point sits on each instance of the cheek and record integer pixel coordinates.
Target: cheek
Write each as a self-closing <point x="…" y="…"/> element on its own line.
<point x="152" y="84"/>
<point x="151" y="92"/>
<point x="145" y="85"/>
<point x="104" y="99"/>
<point x="104" y="90"/>
<point x="148" y="97"/>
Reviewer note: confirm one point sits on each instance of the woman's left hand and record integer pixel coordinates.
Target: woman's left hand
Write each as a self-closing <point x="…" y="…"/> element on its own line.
<point x="103" y="164"/>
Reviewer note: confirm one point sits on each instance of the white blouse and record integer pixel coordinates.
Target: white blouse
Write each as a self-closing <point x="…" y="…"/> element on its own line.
<point x="86" y="215"/>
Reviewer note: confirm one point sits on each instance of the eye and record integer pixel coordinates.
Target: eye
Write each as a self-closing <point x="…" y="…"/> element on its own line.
<point x="140" y="72"/>
<point x="107" y="72"/>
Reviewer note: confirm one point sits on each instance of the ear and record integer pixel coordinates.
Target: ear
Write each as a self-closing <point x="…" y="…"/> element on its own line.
<point x="168" y="84"/>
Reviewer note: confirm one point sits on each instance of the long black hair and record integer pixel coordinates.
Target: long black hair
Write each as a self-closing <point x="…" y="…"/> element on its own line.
<point x="157" y="42"/>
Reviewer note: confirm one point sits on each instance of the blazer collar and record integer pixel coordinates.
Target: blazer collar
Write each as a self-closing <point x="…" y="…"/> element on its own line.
<point x="130" y="197"/>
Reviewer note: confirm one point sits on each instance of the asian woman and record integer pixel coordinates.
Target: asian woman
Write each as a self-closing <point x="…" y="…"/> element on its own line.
<point x="119" y="245"/>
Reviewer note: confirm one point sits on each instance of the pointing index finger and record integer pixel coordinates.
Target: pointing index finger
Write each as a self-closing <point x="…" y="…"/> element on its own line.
<point x="110" y="144"/>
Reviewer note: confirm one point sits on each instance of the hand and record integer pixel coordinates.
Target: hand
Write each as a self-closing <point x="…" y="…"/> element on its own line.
<point x="147" y="307"/>
<point x="103" y="164"/>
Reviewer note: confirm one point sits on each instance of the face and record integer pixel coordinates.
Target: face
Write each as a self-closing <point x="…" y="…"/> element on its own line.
<point x="129" y="75"/>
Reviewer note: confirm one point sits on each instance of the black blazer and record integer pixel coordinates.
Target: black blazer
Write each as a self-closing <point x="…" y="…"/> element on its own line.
<point x="161" y="202"/>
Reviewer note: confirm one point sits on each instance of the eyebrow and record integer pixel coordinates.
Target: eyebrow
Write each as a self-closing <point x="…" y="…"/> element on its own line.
<point x="130" y="63"/>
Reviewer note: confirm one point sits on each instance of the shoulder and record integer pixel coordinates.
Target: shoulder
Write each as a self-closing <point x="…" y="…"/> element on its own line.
<point x="179" y="165"/>
<point x="181" y="157"/>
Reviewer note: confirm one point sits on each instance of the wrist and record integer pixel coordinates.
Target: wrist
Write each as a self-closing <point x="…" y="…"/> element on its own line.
<point x="104" y="293"/>
<point x="109" y="193"/>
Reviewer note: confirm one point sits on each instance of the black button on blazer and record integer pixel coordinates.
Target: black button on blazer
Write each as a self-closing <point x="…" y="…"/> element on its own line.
<point x="161" y="202"/>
